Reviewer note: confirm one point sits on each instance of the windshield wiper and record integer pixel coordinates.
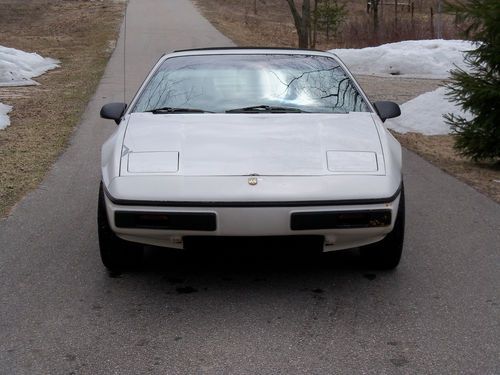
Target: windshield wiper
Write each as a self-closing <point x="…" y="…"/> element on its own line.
<point x="176" y="110"/>
<point x="265" y="108"/>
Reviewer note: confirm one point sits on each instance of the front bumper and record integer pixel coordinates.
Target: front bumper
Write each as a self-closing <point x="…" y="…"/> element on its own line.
<point x="342" y="224"/>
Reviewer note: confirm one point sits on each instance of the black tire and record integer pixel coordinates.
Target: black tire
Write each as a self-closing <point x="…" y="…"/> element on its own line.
<point x="386" y="254"/>
<point x="116" y="254"/>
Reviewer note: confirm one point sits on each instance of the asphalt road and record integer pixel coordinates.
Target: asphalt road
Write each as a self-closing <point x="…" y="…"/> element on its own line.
<point x="235" y="311"/>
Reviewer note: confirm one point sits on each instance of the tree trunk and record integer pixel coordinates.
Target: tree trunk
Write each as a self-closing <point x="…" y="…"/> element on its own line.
<point x="302" y="22"/>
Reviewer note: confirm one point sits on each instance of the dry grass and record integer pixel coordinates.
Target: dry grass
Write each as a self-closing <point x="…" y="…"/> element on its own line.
<point x="76" y="32"/>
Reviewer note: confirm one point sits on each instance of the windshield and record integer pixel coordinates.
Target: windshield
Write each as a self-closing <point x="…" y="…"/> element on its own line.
<point x="250" y="83"/>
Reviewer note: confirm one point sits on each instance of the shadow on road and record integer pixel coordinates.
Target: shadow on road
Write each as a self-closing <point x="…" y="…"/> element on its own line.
<point x="245" y="265"/>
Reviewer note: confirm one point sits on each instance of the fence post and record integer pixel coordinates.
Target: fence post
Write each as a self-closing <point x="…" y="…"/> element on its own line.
<point x="395" y="15"/>
<point x="432" y="23"/>
<point x="439" y="21"/>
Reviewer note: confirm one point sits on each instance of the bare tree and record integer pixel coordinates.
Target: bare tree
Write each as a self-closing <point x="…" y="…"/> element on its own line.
<point x="302" y="21"/>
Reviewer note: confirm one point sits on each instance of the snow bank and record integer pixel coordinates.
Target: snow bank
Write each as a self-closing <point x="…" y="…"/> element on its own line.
<point x="4" y="119"/>
<point x="415" y="58"/>
<point x="18" y="67"/>
<point x="424" y="114"/>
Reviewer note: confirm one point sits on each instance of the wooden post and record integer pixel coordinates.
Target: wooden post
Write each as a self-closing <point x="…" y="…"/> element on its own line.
<point x="412" y="18"/>
<point x="432" y="23"/>
<point x="439" y="21"/>
<point x="375" y="4"/>
<point x="395" y="15"/>
<point x="315" y="24"/>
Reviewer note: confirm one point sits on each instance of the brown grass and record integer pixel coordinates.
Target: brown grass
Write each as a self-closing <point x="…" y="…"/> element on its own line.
<point x="76" y="32"/>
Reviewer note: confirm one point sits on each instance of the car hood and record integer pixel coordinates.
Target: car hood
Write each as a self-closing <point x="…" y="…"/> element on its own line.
<point x="251" y="144"/>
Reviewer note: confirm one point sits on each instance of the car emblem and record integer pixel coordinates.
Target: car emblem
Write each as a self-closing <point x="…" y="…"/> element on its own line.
<point x="252" y="181"/>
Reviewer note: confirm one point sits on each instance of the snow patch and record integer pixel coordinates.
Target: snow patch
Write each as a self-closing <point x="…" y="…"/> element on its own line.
<point x="424" y="114"/>
<point x="4" y="119"/>
<point x="111" y="46"/>
<point x="18" y="67"/>
<point x="415" y="58"/>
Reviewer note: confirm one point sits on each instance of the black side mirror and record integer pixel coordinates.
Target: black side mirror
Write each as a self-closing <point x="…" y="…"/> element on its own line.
<point x="113" y="111"/>
<point x="387" y="110"/>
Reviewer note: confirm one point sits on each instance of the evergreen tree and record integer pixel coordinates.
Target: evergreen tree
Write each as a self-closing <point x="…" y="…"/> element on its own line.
<point x="329" y="15"/>
<point x="479" y="90"/>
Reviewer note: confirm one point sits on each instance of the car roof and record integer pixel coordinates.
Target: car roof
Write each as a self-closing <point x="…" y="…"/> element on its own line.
<point x="247" y="51"/>
<point x="247" y="48"/>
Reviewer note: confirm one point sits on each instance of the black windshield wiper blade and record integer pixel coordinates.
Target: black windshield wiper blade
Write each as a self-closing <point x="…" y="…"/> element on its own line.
<point x="176" y="110"/>
<point x="265" y="108"/>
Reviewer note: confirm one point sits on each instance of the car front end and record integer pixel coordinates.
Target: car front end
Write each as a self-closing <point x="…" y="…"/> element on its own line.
<point x="217" y="168"/>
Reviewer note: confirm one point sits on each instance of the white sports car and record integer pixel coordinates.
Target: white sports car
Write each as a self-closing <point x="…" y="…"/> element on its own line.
<point x="232" y="142"/>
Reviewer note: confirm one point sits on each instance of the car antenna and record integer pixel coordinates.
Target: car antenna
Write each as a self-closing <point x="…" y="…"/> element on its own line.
<point x="124" y="54"/>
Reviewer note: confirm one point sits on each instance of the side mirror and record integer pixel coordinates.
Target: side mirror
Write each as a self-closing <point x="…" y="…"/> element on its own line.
<point x="113" y="111"/>
<point x="387" y="110"/>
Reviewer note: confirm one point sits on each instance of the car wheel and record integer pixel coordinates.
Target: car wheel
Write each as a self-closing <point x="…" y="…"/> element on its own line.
<point x="116" y="254"/>
<point x="386" y="253"/>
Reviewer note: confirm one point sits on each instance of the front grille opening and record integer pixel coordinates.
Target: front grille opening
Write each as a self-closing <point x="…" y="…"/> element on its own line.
<point x="264" y="244"/>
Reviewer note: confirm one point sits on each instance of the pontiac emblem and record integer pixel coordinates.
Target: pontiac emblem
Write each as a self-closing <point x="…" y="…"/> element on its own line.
<point x="252" y="181"/>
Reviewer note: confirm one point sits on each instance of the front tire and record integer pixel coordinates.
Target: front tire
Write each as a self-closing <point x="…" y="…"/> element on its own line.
<point x="386" y="254"/>
<point x="116" y="254"/>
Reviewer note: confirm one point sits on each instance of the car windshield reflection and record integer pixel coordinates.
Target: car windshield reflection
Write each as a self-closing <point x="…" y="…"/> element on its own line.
<point x="227" y="83"/>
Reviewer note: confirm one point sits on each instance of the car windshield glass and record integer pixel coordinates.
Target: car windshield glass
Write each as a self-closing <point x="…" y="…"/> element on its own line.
<point x="264" y="83"/>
